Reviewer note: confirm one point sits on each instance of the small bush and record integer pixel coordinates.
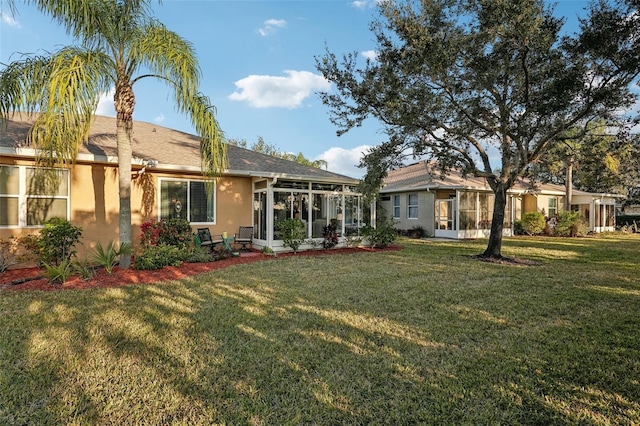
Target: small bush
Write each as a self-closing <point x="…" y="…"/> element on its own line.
<point x="172" y="232"/>
<point x="330" y="237"/>
<point x="292" y="233"/>
<point x="8" y="253"/>
<point x="108" y="257"/>
<point x="570" y="224"/>
<point x="59" y="273"/>
<point x="416" y="232"/>
<point x="157" y="257"/>
<point x="57" y="240"/>
<point x="83" y="269"/>
<point x="352" y="240"/>
<point x="200" y="255"/>
<point x="382" y="235"/>
<point x="518" y="229"/>
<point x="533" y="223"/>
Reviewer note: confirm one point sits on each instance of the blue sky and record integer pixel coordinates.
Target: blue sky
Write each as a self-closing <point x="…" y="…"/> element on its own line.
<point x="258" y="67"/>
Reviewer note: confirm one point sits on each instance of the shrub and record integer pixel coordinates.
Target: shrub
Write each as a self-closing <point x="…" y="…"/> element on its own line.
<point x="158" y="256"/>
<point x="533" y="223"/>
<point x="57" y="240"/>
<point x="172" y="232"/>
<point x="8" y="253"/>
<point x="330" y="237"/>
<point x="292" y="233"/>
<point x="200" y="255"/>
<point x="382" y="235"/>
<point x="570" y="224"/>
<point x="417" y="232"/>
<point x="352" y="240"/>
<point x="108" y="257"/>
<point x="518" y="229"/>
<point x="84" y="269"/>
<point x="59" y="273"/>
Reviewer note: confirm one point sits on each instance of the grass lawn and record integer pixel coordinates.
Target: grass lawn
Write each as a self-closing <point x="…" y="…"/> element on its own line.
<point x="419" y="336"/>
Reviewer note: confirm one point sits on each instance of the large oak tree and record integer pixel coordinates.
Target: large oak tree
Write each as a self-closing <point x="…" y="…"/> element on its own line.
<point x="120" y="43"/>
<point x="463" y="80"/>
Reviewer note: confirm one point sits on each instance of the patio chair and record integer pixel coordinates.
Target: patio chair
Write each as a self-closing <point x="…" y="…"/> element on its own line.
<point x="206" y="240"/>
<point x="244" y="237"/>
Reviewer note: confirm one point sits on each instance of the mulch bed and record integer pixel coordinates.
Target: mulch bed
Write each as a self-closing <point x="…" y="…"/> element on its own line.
<point x="31" y="278"/>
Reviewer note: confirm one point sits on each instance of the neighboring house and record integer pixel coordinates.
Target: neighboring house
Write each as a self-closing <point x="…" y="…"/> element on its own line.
<point x="456" y="207"/>
<point x="256" y="189"/>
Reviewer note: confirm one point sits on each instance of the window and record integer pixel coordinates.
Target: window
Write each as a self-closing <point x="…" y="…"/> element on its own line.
<point x="396" y="207"/>
<point x="187" y="199"/>
<point x="486" y="202"/>
<point x="412" y="206"/>
<point x="30" y="196"/>
<point x="468" y="202"/>
<point x="9" y="195"/>
<point x="553" y="206"/>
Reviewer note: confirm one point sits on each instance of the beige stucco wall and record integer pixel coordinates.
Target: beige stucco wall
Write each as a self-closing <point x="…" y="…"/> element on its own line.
<point x="94" y="203"/>
<point x="425" y="211"/>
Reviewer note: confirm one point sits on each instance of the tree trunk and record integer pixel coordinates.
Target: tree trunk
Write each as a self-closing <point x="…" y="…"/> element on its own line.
<point x="124" y="103"/>
<point x="568" y="183"/>
<point x="124" y="186"/>
<point x="494" y="247"/>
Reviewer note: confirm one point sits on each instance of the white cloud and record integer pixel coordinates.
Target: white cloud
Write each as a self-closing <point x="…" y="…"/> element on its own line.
<point x="359" y="4"/>
<point x="271" y="26"/>
<point x="266" y="91"/>
<point x="370" y="54"/>
<point x="345" y="161"/>
<point x="8" y="20"/>
<point x="159" y="119"/>
<point x="105" y="104"/>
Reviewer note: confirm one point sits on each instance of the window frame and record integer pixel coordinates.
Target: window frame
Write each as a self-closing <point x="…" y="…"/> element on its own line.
<point x="214" y="197"/>
<point x="413" y="207"/>
<point x="396" y="206"/>
<point x="23" y="196"/>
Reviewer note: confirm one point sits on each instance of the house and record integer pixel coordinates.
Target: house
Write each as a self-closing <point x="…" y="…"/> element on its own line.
<point x="256" y="189"/>
<point x="459" y="207"/>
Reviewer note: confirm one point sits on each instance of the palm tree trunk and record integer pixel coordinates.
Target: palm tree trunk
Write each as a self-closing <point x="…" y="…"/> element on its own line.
<point x="494" y="247"/>
<point x="123" y="134"/>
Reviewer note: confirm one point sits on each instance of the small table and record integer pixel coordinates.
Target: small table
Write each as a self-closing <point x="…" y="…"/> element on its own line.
<point x="227" y="242"/>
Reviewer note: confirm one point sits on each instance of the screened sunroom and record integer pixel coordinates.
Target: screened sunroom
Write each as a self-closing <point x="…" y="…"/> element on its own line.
<point x="316" y="204"/>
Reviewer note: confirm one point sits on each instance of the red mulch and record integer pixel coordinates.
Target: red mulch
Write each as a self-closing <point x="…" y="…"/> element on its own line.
<point x="9" y="280"/>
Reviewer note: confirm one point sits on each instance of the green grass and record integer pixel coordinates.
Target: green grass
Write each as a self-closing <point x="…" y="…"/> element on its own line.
<point x="424" y="335"/>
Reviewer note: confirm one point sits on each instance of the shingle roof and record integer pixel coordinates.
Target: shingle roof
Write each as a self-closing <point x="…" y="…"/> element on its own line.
<point x="423" y="175"/>
<point x="172" y="149"/>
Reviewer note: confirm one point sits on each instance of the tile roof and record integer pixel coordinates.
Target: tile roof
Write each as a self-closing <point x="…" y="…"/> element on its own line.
<point x="172" y="149"/>
<point x="423" y="175"/>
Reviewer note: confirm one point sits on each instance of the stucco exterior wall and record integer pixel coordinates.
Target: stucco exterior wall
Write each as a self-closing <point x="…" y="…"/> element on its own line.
<point x="425" y="217"/>
<point x="94" y="203"/>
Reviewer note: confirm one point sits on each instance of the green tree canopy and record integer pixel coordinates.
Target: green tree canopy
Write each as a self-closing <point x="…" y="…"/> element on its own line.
<point x="120" y="43"/>
<point x="269" y="149"/>
<point x="460" y="81"/>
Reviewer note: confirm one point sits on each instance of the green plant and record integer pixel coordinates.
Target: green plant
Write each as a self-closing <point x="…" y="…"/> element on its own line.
<point x="200" y="255"/>
<point x="417" y="232"/>
<point x="108" y="257"/>
<point x="330" y="236"/>
<point x="382" y="235"/>
<point x="159" y="256"/>
<point x="518" y="229"/>
<point x="314" y="243"/>
<point x="59" y="273"/>
<point x="172" y="232"/>
<point x="570" y="224"/>
<point x="533" y="223"/>
<point x="292" y="233"/>
<point x="268" y="251"/>
<point x="84" y="269"/>
<point x="352" y="240"/>
<point x="57" y="240"/>
<point x="8" y="253"/>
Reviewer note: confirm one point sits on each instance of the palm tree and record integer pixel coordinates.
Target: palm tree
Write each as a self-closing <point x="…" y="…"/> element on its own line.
<point x="120" y="44"/>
